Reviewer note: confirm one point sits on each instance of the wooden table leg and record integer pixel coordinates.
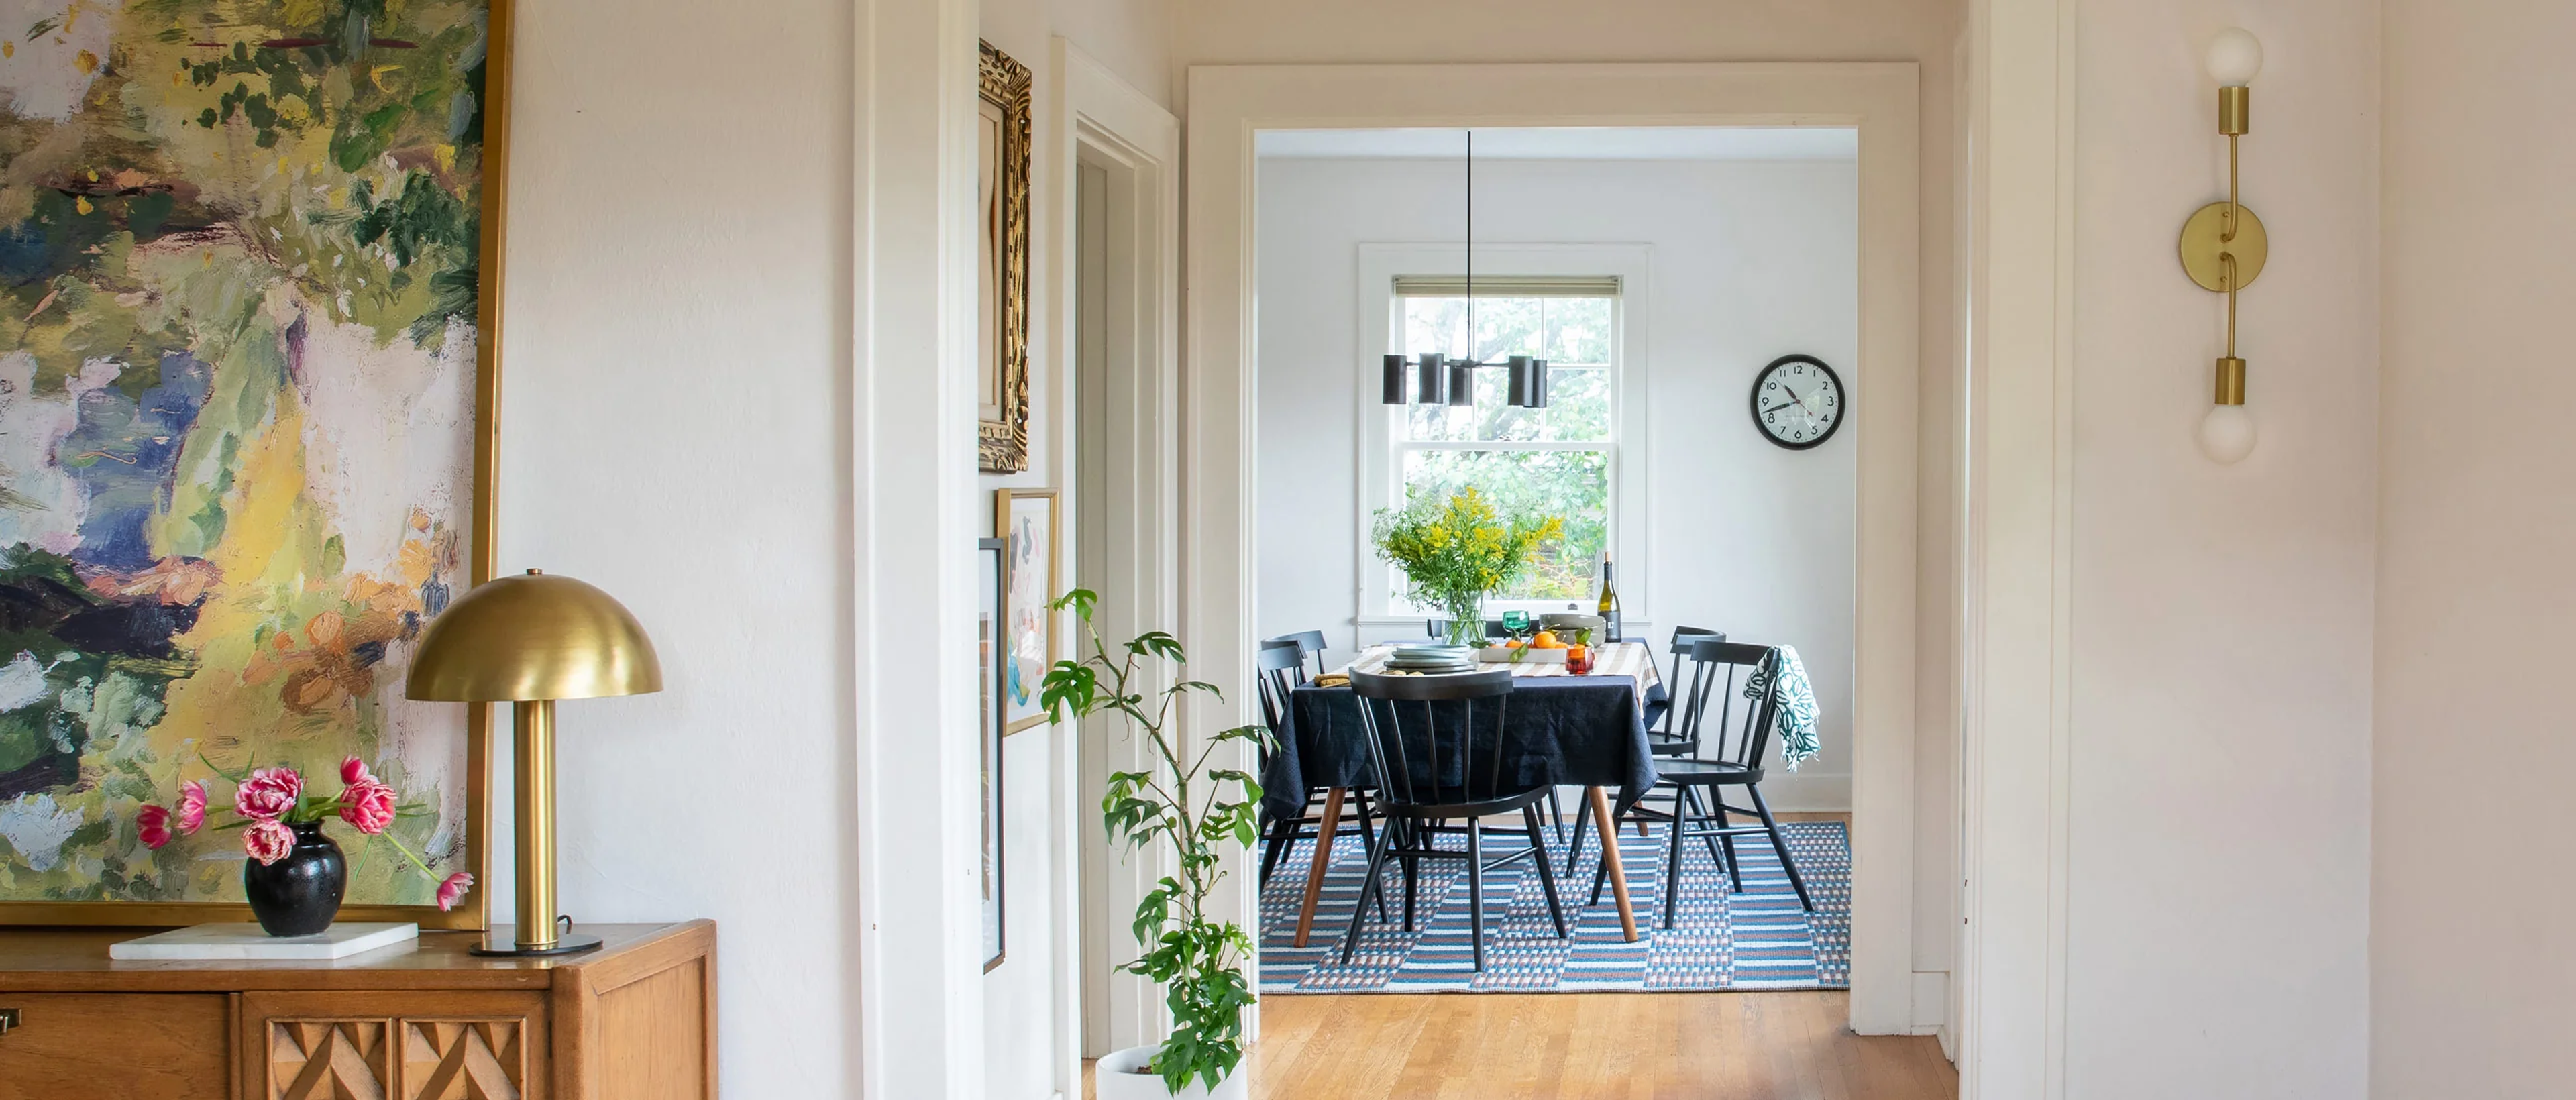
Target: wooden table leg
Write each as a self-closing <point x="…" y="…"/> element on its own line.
<point x="1609" y="861"/>
<point x="1324" y="857"/>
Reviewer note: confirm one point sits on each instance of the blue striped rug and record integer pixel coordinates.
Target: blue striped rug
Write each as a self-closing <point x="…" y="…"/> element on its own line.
<point x="1759" y="939"/>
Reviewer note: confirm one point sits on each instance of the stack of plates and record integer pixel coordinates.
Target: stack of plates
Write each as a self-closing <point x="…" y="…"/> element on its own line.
<point x="1431" y="659"/>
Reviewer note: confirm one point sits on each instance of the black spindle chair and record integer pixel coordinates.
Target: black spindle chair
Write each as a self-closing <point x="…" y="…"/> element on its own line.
<point x="1282" y="665"/>
<point x="1663" y="742"/>
<point x="1731" y="756"/>
<point x="1447" y="767"/>
<point x="1309" y="643"/>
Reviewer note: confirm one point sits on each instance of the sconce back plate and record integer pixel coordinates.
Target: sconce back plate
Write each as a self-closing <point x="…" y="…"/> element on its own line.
<point x="2203" y="243"/>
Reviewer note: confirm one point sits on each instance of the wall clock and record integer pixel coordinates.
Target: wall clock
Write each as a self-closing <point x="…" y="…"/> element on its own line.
<point x="1798" y="402"/>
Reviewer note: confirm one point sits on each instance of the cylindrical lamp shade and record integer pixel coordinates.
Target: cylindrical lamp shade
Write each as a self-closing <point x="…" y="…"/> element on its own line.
<point x="533" y="637"/>
<point x="1431" y="379"/>
<point x="1516" y="381"/>
<point x="1391" y="381"/>
<point x="1535" y="393"/>
<point x="1462" y="385"/>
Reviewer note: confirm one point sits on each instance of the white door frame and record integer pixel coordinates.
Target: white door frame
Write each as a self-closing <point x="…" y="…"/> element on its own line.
<point x="1093" y="117"/>
<point x="1229" y="104"/>
<point x="913" y="523"/>
<point x="2010" y="1018"/>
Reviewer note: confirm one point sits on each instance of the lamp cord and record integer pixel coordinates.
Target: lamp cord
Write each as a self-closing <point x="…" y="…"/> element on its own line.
<point x="1471" y="249"/>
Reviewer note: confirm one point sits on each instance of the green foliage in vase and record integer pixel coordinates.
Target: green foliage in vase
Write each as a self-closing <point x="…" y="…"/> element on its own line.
<point x="1197" y="811"/>
<point x="1453" y="551"/>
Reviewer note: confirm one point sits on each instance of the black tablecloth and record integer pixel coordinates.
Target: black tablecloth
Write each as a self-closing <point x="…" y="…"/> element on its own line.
<point x="1568" y="730"/>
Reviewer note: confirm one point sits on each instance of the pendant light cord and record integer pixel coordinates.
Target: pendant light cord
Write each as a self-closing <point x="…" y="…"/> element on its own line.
<point x="1472" y="357"/>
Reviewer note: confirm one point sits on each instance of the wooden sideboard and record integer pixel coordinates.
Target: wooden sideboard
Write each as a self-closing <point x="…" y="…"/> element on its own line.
<point x="634" y="1020"/>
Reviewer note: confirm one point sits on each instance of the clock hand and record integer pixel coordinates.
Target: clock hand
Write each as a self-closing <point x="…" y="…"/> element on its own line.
<point x="1778" y="407"/>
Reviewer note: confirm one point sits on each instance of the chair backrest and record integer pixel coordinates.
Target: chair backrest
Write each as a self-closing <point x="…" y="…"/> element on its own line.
<point x="1283" y="667"/>
<point x="1429" y="740"/>
<point x="1741" y="732"/>
<point x="1683" y="636"/>
<point x="1309" y="643"/>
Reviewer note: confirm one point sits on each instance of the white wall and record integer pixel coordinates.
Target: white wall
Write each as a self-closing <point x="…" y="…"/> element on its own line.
<point x="2473" y="828"/>
<point x="676" y="429"/>
<point x="2220" y="777"/>
<point x="672" y="430"/>
<point x="1749" y="261"/>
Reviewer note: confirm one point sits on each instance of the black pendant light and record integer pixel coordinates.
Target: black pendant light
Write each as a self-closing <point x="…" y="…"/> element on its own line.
<point x="1439" y="380"/>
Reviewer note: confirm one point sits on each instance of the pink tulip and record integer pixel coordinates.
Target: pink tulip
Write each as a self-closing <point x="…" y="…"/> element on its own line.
<point x="369" y="805"/>
<point x="192" y="807"/>
<point x="154" y="823"/>
<point x="267" y="841"/>
<point x="353" y="771"/>
<point x="453" y="890"/>
<point x="269" y="793"/>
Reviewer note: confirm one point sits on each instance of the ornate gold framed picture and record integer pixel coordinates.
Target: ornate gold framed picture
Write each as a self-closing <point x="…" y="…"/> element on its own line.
<point x="246" y="437"/>
<point x="1002" y="333"/>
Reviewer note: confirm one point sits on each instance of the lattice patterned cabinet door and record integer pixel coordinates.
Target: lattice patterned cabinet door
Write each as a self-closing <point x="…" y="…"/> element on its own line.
<point x="329" y="1059"/>
<point x="464" y="1059"/>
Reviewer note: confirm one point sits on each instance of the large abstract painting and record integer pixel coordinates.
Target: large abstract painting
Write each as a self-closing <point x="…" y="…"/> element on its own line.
<point x="244" y="430"/>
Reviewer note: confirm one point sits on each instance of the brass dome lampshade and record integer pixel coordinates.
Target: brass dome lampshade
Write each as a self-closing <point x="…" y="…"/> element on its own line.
<point x="528" y="641"/>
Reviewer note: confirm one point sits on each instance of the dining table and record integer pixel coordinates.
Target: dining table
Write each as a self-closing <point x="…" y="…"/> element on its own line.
<point x="1563" y="729"/>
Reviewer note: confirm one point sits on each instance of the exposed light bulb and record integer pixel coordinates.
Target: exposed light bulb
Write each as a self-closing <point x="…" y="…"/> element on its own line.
<point x="2227" y="434"/>
<point x="2234" y="57"/>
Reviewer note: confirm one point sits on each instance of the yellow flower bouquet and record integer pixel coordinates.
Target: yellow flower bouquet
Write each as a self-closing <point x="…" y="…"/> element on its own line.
<point x="1453" y="552"/>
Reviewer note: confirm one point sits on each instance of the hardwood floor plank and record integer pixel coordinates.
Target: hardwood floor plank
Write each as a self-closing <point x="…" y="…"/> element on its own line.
<point x="1586" y="1046"/>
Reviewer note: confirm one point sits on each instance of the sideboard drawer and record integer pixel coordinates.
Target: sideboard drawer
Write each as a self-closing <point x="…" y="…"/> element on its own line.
<point x="110" y="1046"/>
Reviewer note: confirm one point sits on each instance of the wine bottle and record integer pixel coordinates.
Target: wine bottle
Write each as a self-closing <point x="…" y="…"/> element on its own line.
<point x="1609" y="607"/>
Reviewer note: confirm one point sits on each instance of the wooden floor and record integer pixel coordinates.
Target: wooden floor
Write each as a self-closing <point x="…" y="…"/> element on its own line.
<point x="1565" y="1046"/>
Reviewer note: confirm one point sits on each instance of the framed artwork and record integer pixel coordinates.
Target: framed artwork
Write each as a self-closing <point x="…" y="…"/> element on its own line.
<point x="252" y="273"/>
<point x="1026" y="520"/>
<point x="989" y="554"/>
<point x="1002" y="335"/>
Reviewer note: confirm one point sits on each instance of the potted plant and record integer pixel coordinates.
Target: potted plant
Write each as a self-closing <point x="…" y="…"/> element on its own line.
<point x="1456" y="551"/>
<point x="1196" y="812"/>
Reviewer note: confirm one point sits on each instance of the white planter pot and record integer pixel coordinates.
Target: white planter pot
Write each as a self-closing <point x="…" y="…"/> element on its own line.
<point x="1115" y="1078"/>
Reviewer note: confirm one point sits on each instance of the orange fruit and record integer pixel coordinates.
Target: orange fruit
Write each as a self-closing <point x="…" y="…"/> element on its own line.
<point x="1546" y="639"/>
<point x="1514" y="643"/>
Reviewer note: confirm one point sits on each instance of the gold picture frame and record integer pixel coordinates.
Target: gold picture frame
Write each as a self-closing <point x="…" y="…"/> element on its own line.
<point x="472" y="912"/>
<point x="1002" y="332"/>
<point x="1024" y="519"/>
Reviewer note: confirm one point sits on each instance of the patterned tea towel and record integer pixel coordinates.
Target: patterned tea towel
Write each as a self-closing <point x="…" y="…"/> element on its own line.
<point x="1784" y="680"/>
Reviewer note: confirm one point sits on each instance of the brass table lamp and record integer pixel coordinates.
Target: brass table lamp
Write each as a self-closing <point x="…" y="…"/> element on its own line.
<point x="531" y="640"/>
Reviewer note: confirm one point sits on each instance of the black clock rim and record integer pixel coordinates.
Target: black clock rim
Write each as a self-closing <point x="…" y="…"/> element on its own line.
<point x="1754" y="402"/>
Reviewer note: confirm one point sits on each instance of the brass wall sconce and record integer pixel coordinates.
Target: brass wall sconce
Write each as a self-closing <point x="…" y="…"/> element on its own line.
<point x="2224" y="246"/>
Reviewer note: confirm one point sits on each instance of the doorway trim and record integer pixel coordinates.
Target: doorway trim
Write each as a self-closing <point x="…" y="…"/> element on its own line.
<point x="1095" y="118"/>
<point x="1229" y="104"/>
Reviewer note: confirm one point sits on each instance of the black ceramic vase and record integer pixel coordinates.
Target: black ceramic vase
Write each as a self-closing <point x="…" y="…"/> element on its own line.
<point x="298" y="895"/>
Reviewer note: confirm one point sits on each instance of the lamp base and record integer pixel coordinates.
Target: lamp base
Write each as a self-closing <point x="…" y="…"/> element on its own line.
<point x="2204" y="241"/>
<point x="501" y="943"/>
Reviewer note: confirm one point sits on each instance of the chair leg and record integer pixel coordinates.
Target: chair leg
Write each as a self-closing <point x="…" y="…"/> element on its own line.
<point x="1734" y="866"/>
<point x="1476" y="890"/>
<point x="1781" y="845"/>
<point x="1582" y="822"/>
<point x="1282" y="834"/>
<point x="1715" y="811"/>
<point x="1412" y="867"/>
<point x="1546" y="878"/>
<point x="1369" y="836"/>
<point x="1359" y="909"/>
<point x="1556" y="813"/>
<point x="1673" y="860"/>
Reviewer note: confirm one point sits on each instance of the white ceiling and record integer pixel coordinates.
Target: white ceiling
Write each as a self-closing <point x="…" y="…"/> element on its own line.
<point x="1570" y="143"/>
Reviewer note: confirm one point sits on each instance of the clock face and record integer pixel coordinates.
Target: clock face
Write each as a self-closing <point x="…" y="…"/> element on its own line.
<point x="1798" y="401"/>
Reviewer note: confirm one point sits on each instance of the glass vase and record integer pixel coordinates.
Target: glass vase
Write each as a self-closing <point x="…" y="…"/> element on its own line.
<point x="1466" y="619"/>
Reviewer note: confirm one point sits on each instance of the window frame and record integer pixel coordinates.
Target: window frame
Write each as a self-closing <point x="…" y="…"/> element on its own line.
<point x="1380" y="602"/>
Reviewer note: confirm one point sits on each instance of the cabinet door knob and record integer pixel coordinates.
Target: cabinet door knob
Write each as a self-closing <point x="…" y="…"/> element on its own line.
<point x="8" y="1019"/>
